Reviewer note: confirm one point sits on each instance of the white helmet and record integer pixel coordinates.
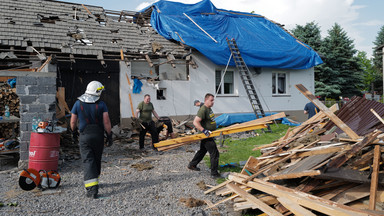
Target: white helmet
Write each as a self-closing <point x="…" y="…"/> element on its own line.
<point x="93" y="92"/>
<point x="94" y="88"/>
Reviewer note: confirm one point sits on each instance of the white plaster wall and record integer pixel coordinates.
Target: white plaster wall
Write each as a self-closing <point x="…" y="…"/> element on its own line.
<point x="202" y="81"/>
<point x="181" y="94"/>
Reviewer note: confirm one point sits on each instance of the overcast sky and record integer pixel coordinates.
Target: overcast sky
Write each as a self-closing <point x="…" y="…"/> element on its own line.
<point x="361" y="19"/>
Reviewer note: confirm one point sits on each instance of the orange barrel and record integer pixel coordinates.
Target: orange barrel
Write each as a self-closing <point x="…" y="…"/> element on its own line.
<point x="44" y="151"/>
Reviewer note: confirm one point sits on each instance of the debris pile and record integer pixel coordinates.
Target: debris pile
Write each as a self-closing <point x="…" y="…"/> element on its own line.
<point x="328" y="165"/>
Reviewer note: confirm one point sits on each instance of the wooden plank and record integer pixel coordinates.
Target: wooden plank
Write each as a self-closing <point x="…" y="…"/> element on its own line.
<point x="45" y="63"/>
<point x="282" y="160"/>
<point x="60" y="94"/>
<point x="327" y="112"/>
<point x="263" y="120"/>
<point x="324" y="151"/>
<point x="377" y="116"/>
<point x="217" y="187"/>
<point x="251" y="165"/>
<point x="352" y="194"/>
<point x="293" y="175"/>
<point x="198" y="137"/>
<point x="375" y="178"/>
<point x="337" y="191"/>
<point x="209" y="204"/>
<point x="303" y="199"/>
<point x="347" y="175"/>
<point x="339" y="161"/>
<point x="260" y="205"/>
<point x="294" y="207"/>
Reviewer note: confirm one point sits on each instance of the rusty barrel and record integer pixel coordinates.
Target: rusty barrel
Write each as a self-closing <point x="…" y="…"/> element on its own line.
<point x="44" y="151"/>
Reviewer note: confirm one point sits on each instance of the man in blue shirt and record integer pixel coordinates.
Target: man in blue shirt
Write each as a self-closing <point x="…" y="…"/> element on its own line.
<point x="93" y="121"/>
<point x="311" y="109"/>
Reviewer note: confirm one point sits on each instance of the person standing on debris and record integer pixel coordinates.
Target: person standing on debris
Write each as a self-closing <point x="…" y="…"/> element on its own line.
<point x="145" y="108"/>
<point x="165" y="122"/>
<point x="93" y="121"/>
<point x="205" y="122"/>
<point x="197" y="103"/>
<point x="311" y="109"/>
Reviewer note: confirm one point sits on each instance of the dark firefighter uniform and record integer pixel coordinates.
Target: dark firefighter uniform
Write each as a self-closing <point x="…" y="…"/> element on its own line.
<point x="91" y="141"/>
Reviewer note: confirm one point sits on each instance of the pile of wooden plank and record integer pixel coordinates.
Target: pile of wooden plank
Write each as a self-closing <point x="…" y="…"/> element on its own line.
<point x="313" y="170"/>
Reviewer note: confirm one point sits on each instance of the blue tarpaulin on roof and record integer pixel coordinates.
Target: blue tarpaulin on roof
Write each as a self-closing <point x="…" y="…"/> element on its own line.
<point x="261" y="42"/>
<point x="227" y="119"/>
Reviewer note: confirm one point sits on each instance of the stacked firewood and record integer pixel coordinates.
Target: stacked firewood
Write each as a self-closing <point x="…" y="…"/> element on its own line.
<point x="329" y="165"/>
<point x="8" y="97"/>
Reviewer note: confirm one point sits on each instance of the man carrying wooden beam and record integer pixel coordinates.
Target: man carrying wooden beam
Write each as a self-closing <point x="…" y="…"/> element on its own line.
<point x="205" y="122"/>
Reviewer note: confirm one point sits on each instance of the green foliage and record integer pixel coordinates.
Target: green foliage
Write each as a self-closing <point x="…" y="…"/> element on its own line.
<point x="377" y="54"/>
<point x="340" y="75"/>
<point x="378" y="59"/>
<point x="309" y="34"/>
<point x="370" y="75"/>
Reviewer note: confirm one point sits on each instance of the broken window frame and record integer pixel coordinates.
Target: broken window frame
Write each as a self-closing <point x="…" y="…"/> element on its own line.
<point x="281" y="82"/>
<point x="229" y="87"/>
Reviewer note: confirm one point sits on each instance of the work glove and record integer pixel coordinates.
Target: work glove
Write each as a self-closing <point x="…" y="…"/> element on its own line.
<point x="109" y="141"/>
<point x="207" y="132"/>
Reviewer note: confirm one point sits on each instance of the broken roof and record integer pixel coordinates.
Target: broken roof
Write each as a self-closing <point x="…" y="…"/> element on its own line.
<point x="76" y="29"/>
<point x="262" y="43"/>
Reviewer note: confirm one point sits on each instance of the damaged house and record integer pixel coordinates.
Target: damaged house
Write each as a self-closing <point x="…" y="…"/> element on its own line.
<point x="177" y="52"/>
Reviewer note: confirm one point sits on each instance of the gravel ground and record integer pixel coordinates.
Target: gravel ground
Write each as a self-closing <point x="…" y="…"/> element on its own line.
<point x="124" y="190"/>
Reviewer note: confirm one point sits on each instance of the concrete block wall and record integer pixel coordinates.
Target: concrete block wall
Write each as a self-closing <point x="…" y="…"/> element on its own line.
<point x="37" y="99"/>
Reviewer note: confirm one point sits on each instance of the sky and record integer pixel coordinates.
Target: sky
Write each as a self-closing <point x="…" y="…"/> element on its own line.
<point x="361" y="19"/>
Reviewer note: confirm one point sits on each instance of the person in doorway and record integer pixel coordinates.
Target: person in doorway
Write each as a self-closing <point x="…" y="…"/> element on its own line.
<point x="205" y="122"/>
<point x="146" y="109"/>
<point x="93" y="117"/>
<point x="198" y="103"/>
<point x="165" y="122"/>
<point x="311" y="109"/>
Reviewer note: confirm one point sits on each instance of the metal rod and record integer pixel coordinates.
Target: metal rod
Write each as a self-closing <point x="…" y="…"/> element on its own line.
<point x="200" y="27"/>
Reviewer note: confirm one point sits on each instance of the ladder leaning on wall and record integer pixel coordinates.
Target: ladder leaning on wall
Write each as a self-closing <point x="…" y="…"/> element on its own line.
<point x="245" y="76"/>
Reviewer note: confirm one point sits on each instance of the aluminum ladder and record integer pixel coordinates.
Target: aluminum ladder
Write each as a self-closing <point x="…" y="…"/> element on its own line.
<point x="245" y="76"/>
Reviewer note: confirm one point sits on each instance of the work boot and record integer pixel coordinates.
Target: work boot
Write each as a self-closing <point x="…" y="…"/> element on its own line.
<point x="194" y="168"/>
<point x="92" y="192"/>
<point x="215" y="175"/>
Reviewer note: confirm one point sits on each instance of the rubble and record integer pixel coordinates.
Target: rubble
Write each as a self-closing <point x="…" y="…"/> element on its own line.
<point x="313" y="169"/>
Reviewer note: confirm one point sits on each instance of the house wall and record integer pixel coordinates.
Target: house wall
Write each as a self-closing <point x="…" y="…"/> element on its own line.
<point x="181" y="94"/>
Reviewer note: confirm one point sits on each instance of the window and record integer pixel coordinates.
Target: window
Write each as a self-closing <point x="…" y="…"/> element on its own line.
<point x="225" y="86"/>
<point x="279" y="83"/>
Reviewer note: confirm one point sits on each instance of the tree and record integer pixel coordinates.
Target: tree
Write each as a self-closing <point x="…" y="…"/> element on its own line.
<point x="377" y="54"/>
<point x="378" y="59"/>
<point x="340" y="75"/>
<point x="309" y="34"/>
<point x="370" y="75"/>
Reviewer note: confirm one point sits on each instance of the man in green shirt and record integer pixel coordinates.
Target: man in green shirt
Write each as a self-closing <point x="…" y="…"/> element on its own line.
<point x="205" y="122"/>
<point x="145" y="108"/>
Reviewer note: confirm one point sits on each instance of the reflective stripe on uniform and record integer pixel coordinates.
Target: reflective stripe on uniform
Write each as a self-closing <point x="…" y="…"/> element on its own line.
<point x="91" y="182"/>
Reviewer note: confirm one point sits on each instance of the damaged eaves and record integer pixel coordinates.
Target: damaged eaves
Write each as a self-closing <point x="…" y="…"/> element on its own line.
<point x="73" y="31"/>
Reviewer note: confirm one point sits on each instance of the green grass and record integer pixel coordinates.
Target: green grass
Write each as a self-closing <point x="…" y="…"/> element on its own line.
<point x="235" y="151"/>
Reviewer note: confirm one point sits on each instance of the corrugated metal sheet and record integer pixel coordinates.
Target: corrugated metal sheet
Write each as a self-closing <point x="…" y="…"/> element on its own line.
<point x="357" y="115"/>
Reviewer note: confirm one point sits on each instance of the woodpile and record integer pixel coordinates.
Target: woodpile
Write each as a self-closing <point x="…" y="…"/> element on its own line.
<point x="322" y="167"/>
<point x="9" y="97"/>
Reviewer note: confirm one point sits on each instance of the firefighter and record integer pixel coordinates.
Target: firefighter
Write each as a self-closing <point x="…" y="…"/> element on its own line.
<point x="93" y="117"/>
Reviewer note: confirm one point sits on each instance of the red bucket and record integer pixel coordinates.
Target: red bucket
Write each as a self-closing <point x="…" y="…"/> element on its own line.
<point x="44" y="151"/>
